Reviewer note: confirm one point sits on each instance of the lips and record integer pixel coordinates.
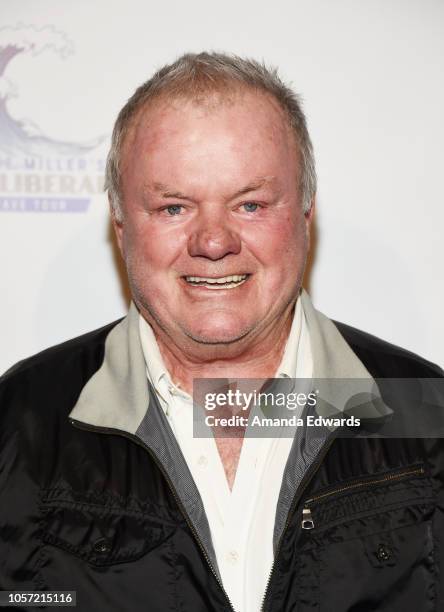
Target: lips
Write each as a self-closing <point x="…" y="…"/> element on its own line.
<point x="221" y="282"/>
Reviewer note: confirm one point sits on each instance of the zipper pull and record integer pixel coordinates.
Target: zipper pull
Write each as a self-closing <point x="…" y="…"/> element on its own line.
<point x="307" y="519"/>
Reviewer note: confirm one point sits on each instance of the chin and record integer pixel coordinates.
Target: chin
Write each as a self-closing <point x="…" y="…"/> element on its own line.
<point x="212" y="333"/>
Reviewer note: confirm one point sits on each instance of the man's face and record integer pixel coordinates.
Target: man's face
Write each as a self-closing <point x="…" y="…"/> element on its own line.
<point x="213" y="233"/>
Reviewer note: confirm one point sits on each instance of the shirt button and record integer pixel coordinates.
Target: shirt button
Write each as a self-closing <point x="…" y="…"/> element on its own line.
<point x="202" y="461"/>
<point x="232" y="557"/>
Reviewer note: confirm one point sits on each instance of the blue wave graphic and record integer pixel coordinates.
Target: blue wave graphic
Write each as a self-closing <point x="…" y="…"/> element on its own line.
<point x="16" y="137"/>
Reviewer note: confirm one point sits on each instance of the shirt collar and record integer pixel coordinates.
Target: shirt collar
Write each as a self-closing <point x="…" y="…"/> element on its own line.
<point x="155" y="367"/>
<point x="156" y="370"/>
<point x="287" y="367"/>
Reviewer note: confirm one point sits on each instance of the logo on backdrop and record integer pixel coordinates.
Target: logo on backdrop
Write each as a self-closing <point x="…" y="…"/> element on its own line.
<point x="38" y="173"/>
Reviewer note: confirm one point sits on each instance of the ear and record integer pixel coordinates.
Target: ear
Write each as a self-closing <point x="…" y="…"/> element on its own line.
<point x="118" y="229"/>
<point x="308" y="216"/>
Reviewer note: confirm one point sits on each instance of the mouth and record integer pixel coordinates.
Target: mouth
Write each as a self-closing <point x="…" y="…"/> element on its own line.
<point x="215" y="284"/>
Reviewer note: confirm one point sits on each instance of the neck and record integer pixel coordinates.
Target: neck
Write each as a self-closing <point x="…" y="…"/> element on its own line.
<point x="251" y="358"/>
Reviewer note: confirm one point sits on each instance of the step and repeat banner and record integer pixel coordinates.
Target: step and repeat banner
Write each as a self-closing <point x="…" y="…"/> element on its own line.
<point x="370" y="76"/>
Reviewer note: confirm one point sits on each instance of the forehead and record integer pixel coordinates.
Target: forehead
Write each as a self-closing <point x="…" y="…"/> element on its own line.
<point x="217" y="133"/>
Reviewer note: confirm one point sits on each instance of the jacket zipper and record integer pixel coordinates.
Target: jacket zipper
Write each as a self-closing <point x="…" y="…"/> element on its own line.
<point x="307" y="517"/>
<point x="304" y="484"/>
<point x="133" y="438"/>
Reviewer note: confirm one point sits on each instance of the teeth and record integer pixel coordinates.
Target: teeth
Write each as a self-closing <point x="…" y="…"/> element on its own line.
<point x="224" y="282"/>
<point x="235" y="278"/>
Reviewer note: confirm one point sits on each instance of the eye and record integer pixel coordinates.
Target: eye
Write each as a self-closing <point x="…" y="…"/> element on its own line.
<point x="250" y="206"/>
<point x="174" y="209"/>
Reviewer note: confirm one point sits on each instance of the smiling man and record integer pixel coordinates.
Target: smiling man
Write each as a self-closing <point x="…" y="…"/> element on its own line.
<point x="104" y="488"/>
<point x="212" y="229"/>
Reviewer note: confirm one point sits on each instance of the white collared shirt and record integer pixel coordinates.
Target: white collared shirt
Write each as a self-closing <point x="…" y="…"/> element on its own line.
<point x="241" y="520"/>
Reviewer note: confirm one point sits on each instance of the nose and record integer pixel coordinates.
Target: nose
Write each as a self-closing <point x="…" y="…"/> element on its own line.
<point x="212" y="237"/>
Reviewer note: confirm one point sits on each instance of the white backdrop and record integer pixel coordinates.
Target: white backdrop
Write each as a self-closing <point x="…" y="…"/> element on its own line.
<point x="371" y="76"/>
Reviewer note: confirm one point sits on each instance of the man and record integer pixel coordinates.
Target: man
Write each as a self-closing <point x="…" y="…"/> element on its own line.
<point x="103" y="488"/>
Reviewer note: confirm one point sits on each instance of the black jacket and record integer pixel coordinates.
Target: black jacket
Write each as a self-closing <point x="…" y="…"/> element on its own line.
<point x="93" y="509"/>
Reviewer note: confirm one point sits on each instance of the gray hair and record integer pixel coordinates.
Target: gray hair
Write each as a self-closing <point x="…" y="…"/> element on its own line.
<point x="195" y="76"/>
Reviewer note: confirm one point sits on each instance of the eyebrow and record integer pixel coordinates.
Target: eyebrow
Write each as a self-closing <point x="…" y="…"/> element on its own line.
<point x="169" y="192"/>
<point x="254" y="185"/>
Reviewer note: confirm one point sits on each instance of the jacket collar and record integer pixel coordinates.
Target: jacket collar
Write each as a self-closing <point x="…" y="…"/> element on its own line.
<point x="117" y="396"/>
<point x="332" y="356"/>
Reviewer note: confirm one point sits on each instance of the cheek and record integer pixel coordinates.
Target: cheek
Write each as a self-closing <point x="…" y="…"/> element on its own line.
<point x="294" y="235"/>
<point x="145" y="246"/>
<point x="280" y="246"/>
